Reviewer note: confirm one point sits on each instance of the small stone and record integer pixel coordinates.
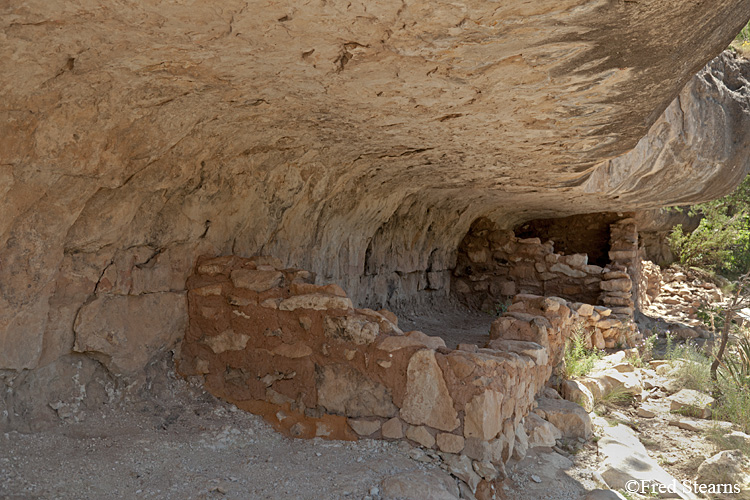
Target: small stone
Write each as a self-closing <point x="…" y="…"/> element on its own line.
<point x="393" y="429"/>
<point x="364" y="427"/>
<point x="450" y="443"/>
<point x="585" y="310"/>
<point x="257" y="281"/>
<point x="567" y="270"/>
<point x="645" y="412"/>
<point x="297" y="350"/>
<point x="394" y="343"/>
<point x="521" y="444"/>
<point x="617" y="285"/>
<point x="624" y="367"/>
<point x="419" y="434"/>
<point x="227" y="341"/>
<point x="315" y="301"/>
<point x="429" y="341"/>
<point x="486" y="470"/>
<point x="461" y="467"/>
<point x="536" y="478"/>
<point x="356" y="329"/>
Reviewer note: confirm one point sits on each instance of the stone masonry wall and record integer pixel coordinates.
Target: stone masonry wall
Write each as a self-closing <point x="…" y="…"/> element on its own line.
<point x="493" y="265"/>
<point x="583" y="233"/>
<point x="268" y="340"/>
<point x="503" y="274"/>
<point x="550" y="322"/>
<point x="622" y="275"/>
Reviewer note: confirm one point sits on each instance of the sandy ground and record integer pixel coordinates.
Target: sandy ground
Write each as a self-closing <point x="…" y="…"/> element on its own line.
<point x="178" y="442"/>
<point x="191" y="446"/>
<point x="186" y="444"/>
<point x="455" y="324"/>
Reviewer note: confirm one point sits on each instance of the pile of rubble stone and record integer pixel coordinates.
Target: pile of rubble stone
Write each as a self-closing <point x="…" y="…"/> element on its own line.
<point x="675" y="298"/>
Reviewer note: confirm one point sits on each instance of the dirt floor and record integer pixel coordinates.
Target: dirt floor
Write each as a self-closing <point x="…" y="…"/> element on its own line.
<point x="456" y="324"/>
<point x="190" y="446"/>
<point x="182" y="443"/>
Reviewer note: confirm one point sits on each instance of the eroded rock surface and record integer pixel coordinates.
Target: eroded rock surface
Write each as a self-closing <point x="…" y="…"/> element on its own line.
<point x="356" y="140"/>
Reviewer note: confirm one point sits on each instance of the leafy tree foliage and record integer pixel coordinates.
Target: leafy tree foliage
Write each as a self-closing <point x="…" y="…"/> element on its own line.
<point x="721" y="243"/>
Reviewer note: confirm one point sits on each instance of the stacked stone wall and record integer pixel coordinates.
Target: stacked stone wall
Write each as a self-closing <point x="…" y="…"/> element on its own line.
<point x="500" y="273"/>
<point x="270" y="341"/>
<point x="583" y="233"/>
<point x="551" y="321"/>
<point x="494" y="265"/>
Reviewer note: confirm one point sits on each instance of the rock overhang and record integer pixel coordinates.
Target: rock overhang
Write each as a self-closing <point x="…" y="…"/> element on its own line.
<point x="359" y="141"/>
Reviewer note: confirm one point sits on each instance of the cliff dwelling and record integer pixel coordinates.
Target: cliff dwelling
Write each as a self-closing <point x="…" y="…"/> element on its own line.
<point x="370" y="226"/>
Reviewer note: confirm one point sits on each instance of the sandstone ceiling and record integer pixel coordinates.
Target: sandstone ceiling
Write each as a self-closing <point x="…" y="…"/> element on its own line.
<point x="356" y="139"/>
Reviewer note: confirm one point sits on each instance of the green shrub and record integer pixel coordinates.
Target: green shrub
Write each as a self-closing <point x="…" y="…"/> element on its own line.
<point x="579" y="359"/>
<point x="733" y="403"/>
<point x="736" y="364"/>
<point x="721" y="243"/>
<point x="693" y="368"/>
<point x="644" y="352"/>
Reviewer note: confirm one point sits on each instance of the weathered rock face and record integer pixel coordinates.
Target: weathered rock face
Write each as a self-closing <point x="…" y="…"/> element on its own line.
<point x="357" y="140"/>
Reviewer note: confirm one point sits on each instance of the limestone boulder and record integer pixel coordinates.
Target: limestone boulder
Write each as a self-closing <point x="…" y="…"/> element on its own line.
<point x="461" y="466"/>
<point x="570" y="418"/>
<point x="603" y="495"/>
<point x="729" y="467"/>
<point x="624" y="459"/>
<point x="574" y="391"/>
<point x="692" y="403"/>
<point x="738" y="439"/>
<point x="540" y="432"/>
<point x="434" y="484"/>
<point x="483" y="416"/>
<point x="521" y="443"/>
<point x="427" y="400"/>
